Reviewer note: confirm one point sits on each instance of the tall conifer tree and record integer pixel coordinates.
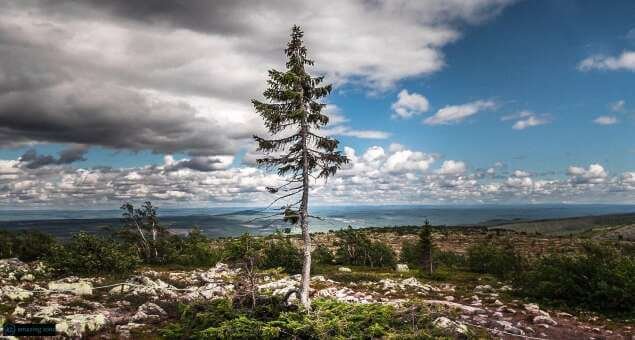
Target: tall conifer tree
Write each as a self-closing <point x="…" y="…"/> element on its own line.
<point x="293" y="114"/>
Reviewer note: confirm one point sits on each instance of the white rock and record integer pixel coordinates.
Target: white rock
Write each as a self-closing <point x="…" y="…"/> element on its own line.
<point x="448" y="298"/>
<point x="143" y="285"/>
<point x="509" y="327"/>
<point x="402" y="267"/>
<point x="544" y="320"/>
<point x="447" y="324"/>
<point x="532" y="308"/>
<point x="465" y="309"/>
<point x="18" y="311"/>
<point x="344" y="269"/>
<point x="15" y="293"/>
<point x="149" y="312"/>
<point x="68" y="285"/>
<point x="27" y="277"/>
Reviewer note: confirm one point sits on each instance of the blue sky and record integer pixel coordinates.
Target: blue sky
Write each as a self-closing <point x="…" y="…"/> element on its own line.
<point x="493" y="101"/>
<point x="525" y="59"/>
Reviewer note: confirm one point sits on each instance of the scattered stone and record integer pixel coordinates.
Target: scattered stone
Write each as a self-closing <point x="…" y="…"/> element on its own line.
<point x="220" y="271"/>
<point x="447" y="324"/>
<point x="532" y="308"/>
<point x="18" y="311"/>
<point x="28" y="277"/>
<point x="149" y="312"/>
<point x="15" y="293"/>
<point x="448" y="298"/>
<point x="73" y="285"/>
<point x="498" y="303"/>
<point x="564" y="315"/>
<point x="465" y="309"/>
<point x="124" y="330"/>
<point x="402" y="267"/>
<point x="509" y="327"/>
<point x="344" y="269"/>
<point x="143" y="285"/>
<point x="483" y="288"/>
<point x="541" y="319"/>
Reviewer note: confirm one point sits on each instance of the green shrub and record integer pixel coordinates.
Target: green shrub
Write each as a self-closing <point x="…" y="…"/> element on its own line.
<point x="322" y="255"/>
<point x="410" y="253"/>
<point x="329" y="319"/>
<point x="280" y="252"/>
<point x="355" y="248"/>
<point x="191" y="250"/>
<point x="449" y="259"/>
<point x="199" y="316"/>
<point x="27" y="245"/>
<point x="600" y="278"/>
<point x="487" y="258"/>
<point x="87" y="254"/>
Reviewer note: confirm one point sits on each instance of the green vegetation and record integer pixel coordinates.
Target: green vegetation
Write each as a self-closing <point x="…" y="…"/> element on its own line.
<point x="601" y="278"/>
<point x="355" y="248"/>
<point x="487" y="258"/>
<point x="87" y="254"/>
<point x="222" y="319"/>
<point x="26" y="245"/>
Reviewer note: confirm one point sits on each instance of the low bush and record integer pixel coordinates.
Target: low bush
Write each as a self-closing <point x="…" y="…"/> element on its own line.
<point x="501" y="261"/>
<point x="355" y="248"/>
<point x="322" y="255"/>
<point x="329" y="319"/>
<point x="87" y="254"/>
<point x="27" y="245"/>
<point x="600" y="278"/>
<point x="279" y="251"/>
<point x="191" y="250"/>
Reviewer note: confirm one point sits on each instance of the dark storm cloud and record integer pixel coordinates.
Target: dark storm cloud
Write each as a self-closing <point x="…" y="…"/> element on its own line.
<point x="177" y="76"/>
<point x="31" y="160"/>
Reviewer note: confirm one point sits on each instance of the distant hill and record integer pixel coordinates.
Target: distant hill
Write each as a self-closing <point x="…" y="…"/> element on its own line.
<point x="604" y="226"/>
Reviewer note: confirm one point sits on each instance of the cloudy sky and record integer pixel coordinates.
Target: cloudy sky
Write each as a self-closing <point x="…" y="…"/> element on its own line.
<point x="436" y="101"/>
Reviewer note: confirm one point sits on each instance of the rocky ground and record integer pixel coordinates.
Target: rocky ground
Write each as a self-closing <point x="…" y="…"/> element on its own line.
<point x="100" y="308"/>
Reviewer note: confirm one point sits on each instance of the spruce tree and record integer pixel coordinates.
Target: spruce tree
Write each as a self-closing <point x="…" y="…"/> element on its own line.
<point x="293" y="114"/>
<point x="426" y="245"/>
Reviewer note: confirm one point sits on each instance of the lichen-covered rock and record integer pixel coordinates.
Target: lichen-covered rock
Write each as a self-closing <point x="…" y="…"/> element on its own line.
<point x="449" y="325"/>
<point x="77" y="325"/>
<point x="463" y="308"/>
<point x="509" y="327"/>
<point x="402" y="268"/>
<point x="544" y="320"/>
<point x="28" y="277"/>
<point x="143" y="285"/>
<point x="73" y="285"/>
<point x="149" y="312"/>
<point x="15" y="293"/>
<point x="344" y="269"/>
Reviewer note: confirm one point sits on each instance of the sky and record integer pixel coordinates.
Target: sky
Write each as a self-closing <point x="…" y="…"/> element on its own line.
<point x="434" y="102"/>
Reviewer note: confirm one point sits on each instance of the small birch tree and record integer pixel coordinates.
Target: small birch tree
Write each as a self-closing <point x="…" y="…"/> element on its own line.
<point x="293" y="114"/>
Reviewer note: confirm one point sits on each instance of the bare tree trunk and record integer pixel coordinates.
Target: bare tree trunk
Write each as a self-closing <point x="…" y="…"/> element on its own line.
<point x="304" y="224"/>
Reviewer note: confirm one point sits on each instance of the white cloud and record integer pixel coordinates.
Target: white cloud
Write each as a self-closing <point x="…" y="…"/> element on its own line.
<point x="625" y="61"/>
<point x="364" y="134"/>
<point x="456" y="113"/>
<point x="409" y="104"/>
<point x="618" y="106"/>
<point x="595" y="173"/>
<point x="521" y="173"/>
<point x="451" y="167"/>
<point x="526" y="119"/>
<point x="407" y="160"/>
<point x="605" y="120"/>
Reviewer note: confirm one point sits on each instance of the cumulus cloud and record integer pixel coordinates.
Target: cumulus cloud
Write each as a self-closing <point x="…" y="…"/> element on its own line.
<point x="605" y="120"/>
<point x="375" y="175"/>
<point x="595" y="173"/>
<point x="451" y="167"/>
<point x="409" y="104"/>
<point x="526" y="119"/>
<point x="625" y="61"/>
<point x="174" y="77"/>
<point x="457" y="113"/>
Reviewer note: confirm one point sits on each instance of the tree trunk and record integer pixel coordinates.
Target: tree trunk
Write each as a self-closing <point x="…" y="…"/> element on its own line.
<point x="304" y="224"/>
